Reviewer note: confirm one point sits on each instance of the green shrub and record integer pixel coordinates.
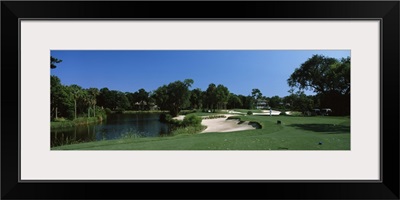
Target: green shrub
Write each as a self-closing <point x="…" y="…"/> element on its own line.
<point x="108" y="111"/>
<point x="249" y="113"/>
<point x="85" y="120"/>
<point x="119" y="110"/>
<point x="234" y="117"/>
<point x="101" y="114"/>
<point x="99" y="118"/>
<point x="92" y="120"/>
<point x="214" y="116"/>
<point x="177" y="123"/>
<point x="60" y="119"/>
<point x="295" y="113"/>
<point x="64" y="124"/>
<point x="80" y="121"/>
<point x="187" y="130"/>
<point x="191" y="120"/>
<point x="165" y="117"/>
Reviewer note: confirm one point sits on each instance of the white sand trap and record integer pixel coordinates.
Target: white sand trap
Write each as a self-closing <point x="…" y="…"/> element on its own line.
<point x="267" y="112"/>
<point x="179" y="117"/>
<point x="223" y="125"/>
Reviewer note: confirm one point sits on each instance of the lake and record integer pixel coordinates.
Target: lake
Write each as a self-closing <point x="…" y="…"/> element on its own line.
<point x="116" y="126"/>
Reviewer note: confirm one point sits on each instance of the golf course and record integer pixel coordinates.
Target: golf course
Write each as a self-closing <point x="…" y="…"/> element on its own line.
<point x="293" y="133"/>
<point x="200" y="100"/>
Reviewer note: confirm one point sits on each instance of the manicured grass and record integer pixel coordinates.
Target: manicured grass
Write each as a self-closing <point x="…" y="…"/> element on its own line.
<point x="246" y="110"/>
<point x="294" y="133"/>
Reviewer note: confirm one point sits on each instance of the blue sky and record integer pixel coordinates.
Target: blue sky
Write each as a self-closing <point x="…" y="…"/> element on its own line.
<point x="131" y="70"/>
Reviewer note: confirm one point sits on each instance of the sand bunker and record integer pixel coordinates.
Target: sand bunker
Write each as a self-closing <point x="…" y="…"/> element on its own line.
<point x="224" y="125"/>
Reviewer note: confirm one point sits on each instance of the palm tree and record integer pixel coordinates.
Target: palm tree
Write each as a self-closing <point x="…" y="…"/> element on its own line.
<point x="77" y="94"/>
<point x="87" y="99"/>
<point x="93" y="92"/>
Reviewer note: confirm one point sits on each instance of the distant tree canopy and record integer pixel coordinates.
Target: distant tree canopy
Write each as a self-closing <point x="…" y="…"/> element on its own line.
<point x="222" y="93"/>
<point x="71" y="101"/>
<point x="113" y="99"/>
<point x="139" y="100"/>
<point x="196" y="98"/>
<point x="216" y="97"/>
<point x="274" y="102"/>
<point x="61" y="101"/>
<point x="234" y="102"/>
<point x="300" y="102"/>
<point x="211" y="97"/>
<point x="329" y="78"/>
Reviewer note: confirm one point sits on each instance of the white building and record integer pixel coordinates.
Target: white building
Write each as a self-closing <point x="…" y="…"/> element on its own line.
<point x="261" y="104"/>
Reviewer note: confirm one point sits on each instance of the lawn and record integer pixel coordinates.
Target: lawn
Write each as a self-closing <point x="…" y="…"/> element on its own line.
<point x="294" y="133"/>
<point x="246" y="110"/>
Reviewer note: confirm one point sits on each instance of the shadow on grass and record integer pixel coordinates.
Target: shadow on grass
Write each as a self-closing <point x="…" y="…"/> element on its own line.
<point x="323" y="128"/>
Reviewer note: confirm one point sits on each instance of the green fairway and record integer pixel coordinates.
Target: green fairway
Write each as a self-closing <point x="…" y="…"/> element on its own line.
<point x="294" y="133"/>
<point x="244" y="111"/>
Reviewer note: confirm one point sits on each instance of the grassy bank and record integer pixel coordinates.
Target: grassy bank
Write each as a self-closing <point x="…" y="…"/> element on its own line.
<point x="188" y="130"/>
<point x="293" y="133"/>
<point x="76" y="122"/>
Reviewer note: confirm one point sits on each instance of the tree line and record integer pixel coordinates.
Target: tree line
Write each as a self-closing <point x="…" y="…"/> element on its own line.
<point x="328" y="77"/>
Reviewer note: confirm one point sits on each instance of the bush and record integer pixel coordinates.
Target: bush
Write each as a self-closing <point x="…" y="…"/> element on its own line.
<point x="234" y="117"/>
<point x="101" y="114"/>
<point x="214" y="116"/>
<point x="187" y="130"/>
<point x="176" y="122"/>
<point x="249" y="113"/>
<point x="119" y="110"/>
<point x="64" y="124"/>
<point x="191" y="120"/>
<point x="108" y="111"/>
<point x="60" y="119"/>
<point x="165" y="117"/>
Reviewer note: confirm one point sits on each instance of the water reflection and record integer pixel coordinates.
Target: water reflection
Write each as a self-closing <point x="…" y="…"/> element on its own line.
<point x="116" y="126"/>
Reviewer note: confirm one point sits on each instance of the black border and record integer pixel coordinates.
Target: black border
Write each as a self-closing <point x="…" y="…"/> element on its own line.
<point x="386" y="11"/>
